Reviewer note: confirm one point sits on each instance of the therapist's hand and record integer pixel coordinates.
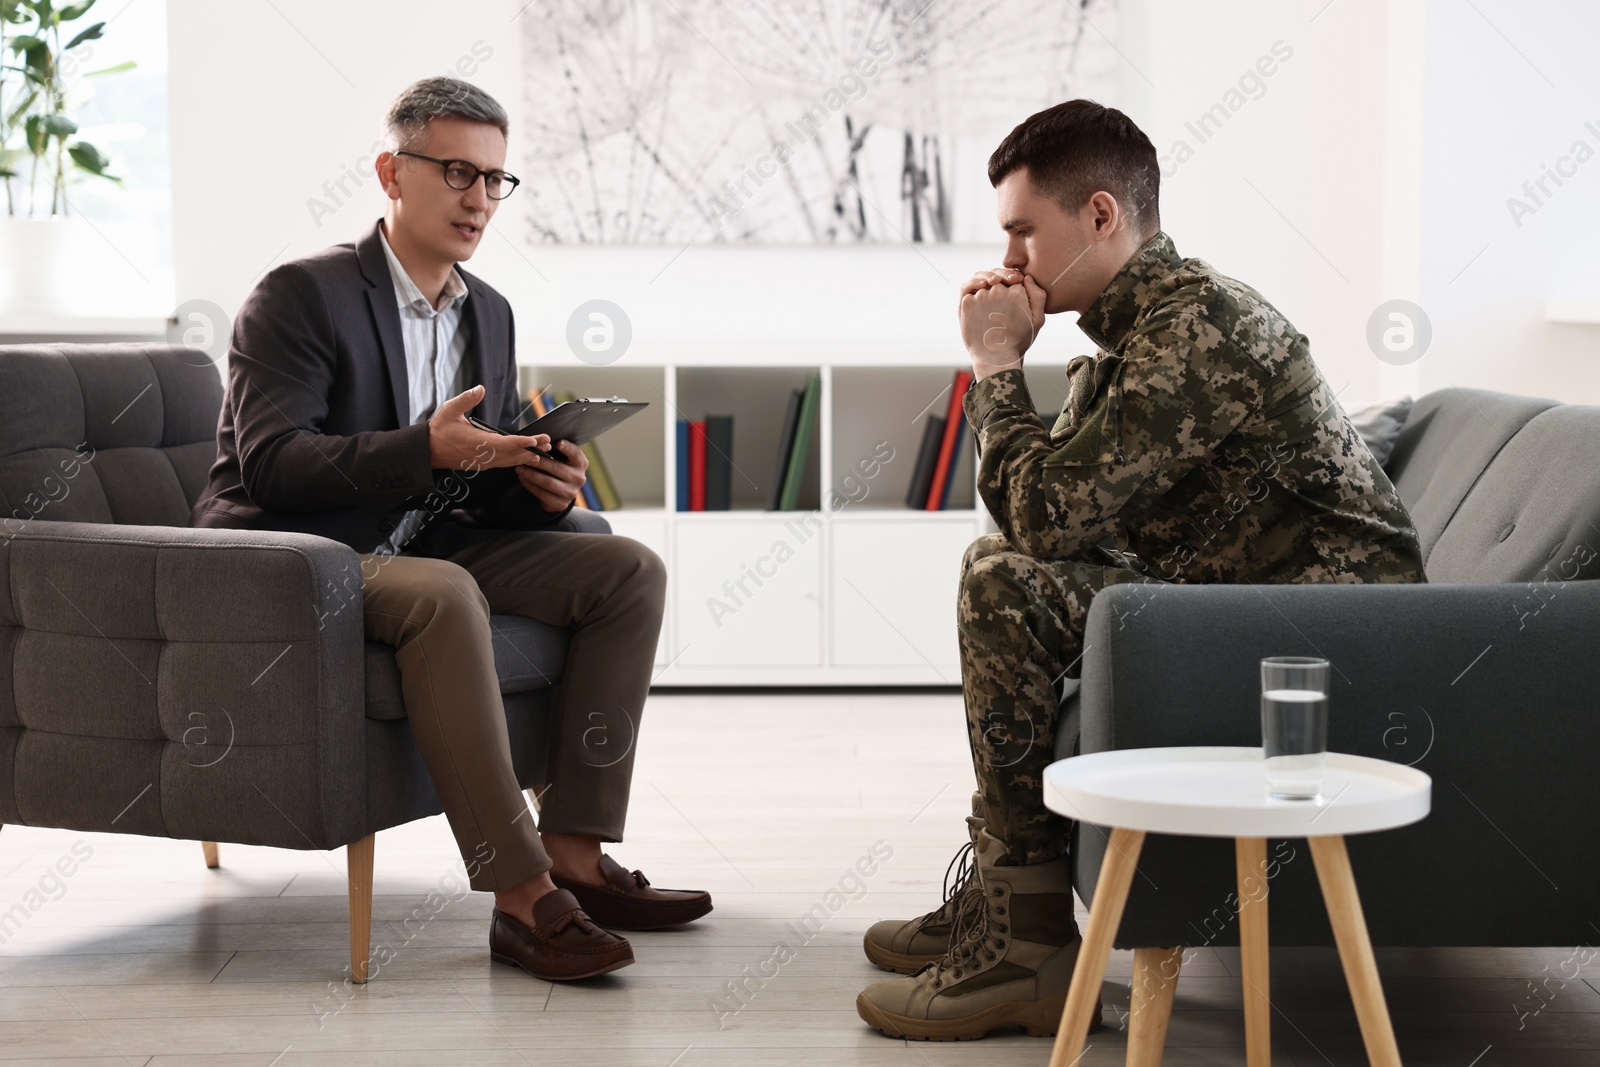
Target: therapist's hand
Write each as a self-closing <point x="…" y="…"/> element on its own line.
<point x="553" y="483"/>
<point x="456" y="444"/>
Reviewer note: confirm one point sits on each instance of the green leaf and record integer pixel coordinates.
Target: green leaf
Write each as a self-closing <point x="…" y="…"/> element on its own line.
<point x="90" y="34"/>
<point x="89" y="158"/>
<point x="74" y="11"/>
<point x="38" y="62"/>
<point x="24" y="41"/>
<point x="127" y="64"/>
<point x="34" y="134"/>
<point x="60" y="126"/>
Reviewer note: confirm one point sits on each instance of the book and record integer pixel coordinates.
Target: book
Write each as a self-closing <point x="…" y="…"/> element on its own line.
<point x="955" y="460"/>
<point x="697" y="465"/>
<point x="795" y="474"/>
<point x="927" y="456"/>
<point x="682" y="465"/>
<point x="791" y="419"/>
<point x="719" y="462"/>
<point x="941" y="470"/>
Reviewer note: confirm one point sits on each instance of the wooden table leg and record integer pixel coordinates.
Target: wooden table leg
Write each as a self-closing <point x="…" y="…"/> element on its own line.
<point x="1355" y="949"/>
<point x="1105" y="915"/>
<point x="1250" y="867"/>
<point x="1155" y="980"/>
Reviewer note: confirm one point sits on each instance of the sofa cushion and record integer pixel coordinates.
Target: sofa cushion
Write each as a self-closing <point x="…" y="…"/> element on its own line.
<point x="1534" y="514"/>
<point x="1380" y="424"/>
<point x="1451" y="436"/>
<point x="528" y="655"/>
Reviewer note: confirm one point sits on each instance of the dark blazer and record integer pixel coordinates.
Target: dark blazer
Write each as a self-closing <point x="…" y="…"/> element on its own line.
<point x="313" y="434"/>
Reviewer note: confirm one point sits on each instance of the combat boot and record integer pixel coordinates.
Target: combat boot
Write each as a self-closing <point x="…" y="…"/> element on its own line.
<point x="906" y="945"/>
<point x="1013" y="947"/>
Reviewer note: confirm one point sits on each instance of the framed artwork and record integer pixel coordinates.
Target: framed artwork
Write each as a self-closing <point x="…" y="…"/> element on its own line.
<point x="829" y="122"/>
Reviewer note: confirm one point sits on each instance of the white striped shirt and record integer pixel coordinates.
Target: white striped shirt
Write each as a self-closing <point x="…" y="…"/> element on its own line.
<point x="435" y="337"/>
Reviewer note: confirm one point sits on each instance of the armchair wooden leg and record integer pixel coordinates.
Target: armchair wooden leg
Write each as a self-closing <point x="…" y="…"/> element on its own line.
<point x="210" y="848"/>
<point x="1155" y="980"/>
<point x="358" y="857"/>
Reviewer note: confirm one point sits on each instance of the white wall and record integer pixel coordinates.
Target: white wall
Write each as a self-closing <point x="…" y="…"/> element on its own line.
<point x="258" y="131"/>
<point x="272" y="101"/>
<point x="1510" y="89"/>
<point x="1286" y="194"/>
<point x="1371" y="164"/>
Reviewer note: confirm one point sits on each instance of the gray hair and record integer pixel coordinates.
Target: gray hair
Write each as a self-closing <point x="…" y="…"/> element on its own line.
<point x="435" y="98"/>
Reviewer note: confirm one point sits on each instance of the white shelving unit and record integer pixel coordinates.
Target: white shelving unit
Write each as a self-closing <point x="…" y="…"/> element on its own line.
<point x="853" y="588"/>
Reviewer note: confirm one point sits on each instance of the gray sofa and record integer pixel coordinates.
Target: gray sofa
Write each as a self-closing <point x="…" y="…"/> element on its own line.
<point x="212" y="685"/>
<point x="1486" y="678"/>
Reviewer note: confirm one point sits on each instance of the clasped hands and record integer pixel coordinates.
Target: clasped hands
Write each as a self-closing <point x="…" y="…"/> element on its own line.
<point x="455" y="444"/>
<point x="1001" y="312"/>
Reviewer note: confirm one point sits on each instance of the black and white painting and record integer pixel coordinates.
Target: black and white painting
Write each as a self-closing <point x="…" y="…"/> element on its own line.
<point x="788" y="121"/>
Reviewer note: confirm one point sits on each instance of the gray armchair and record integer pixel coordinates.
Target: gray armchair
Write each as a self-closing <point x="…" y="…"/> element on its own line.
<point x="212" y="685"/>
<point x="1485" y="679"/>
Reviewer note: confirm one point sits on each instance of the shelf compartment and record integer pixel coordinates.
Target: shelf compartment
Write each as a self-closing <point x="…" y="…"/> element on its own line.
<point x="632" y="450"/>
<point x="886" y="407"/>
<point x="757" y="398"/>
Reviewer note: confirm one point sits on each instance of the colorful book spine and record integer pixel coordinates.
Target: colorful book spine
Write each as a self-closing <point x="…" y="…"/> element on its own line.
<point x="697" y="465"/>
<point x="927" y="456"/>
<point x="682" y="464"/>
<point x="952" y="424"/>
<point x="719" y="462"/>
<point x="791" y="419"/>
<point x="955" y="460"/>
<point x="795" y="475"/>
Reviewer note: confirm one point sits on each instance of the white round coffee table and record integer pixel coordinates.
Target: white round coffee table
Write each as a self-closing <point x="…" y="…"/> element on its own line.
<point x="1221" y="792"/>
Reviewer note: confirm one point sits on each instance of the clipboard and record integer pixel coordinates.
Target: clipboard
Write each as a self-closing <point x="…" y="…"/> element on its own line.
<point x="579" y="421"/>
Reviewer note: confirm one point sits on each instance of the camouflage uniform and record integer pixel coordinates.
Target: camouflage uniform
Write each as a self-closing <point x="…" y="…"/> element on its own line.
<point x="1201" y="444"/>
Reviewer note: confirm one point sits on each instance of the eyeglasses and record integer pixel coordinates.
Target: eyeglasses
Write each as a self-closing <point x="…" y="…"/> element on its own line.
<point x="459" y="174"/>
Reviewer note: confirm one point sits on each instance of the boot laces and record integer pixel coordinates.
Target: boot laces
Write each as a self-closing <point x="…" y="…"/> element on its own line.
<point x="969" y="934"/>
<point x="959" y="877"/>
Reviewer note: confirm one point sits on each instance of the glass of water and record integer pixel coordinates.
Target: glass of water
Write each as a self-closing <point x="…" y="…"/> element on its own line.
<point x="1294" y="725"/>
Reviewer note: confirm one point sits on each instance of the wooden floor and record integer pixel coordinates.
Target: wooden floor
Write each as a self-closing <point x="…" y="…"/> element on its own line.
<point x="144" y="957"/>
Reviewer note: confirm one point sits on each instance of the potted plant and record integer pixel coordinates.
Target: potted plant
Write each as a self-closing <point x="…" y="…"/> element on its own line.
<point x="41" y="154"/>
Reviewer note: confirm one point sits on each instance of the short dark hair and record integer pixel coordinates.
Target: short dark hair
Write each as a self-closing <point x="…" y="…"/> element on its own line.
<point x="1076" y="149"/>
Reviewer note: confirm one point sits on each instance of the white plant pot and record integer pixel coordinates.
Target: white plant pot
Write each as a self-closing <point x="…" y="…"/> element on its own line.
<point x="71" y="268"/>
<point x="36" y="265"/>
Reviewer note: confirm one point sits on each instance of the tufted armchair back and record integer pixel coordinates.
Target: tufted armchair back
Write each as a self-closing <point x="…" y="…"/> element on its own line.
<point x="122" y="433"/>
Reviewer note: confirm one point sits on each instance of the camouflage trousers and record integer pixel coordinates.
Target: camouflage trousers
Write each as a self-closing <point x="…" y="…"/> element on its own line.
<point x="1020" y="624"/>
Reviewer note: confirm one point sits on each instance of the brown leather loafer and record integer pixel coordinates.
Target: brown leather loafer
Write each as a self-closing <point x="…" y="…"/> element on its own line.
<point x="562" y="944"/>
<point x="628" y="901"/>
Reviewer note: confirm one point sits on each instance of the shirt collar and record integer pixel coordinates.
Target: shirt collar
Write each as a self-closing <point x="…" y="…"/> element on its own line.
<point x="1110" y="318"/>
<point x="409" y="295"/>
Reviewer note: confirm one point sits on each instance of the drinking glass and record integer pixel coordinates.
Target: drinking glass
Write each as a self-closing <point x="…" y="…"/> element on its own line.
<point x="1294" y="725"/>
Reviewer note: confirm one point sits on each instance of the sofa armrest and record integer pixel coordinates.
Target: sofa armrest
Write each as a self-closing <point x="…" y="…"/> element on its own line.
<point x="188" y="683"/>
<point x="1487" y="688"/>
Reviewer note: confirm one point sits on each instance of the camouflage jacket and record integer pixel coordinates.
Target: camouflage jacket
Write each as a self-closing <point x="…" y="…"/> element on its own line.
<point x="1202" y="439"/>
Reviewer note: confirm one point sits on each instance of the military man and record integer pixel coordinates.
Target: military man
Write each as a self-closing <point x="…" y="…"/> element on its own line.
<point x="1201" y="444"/>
